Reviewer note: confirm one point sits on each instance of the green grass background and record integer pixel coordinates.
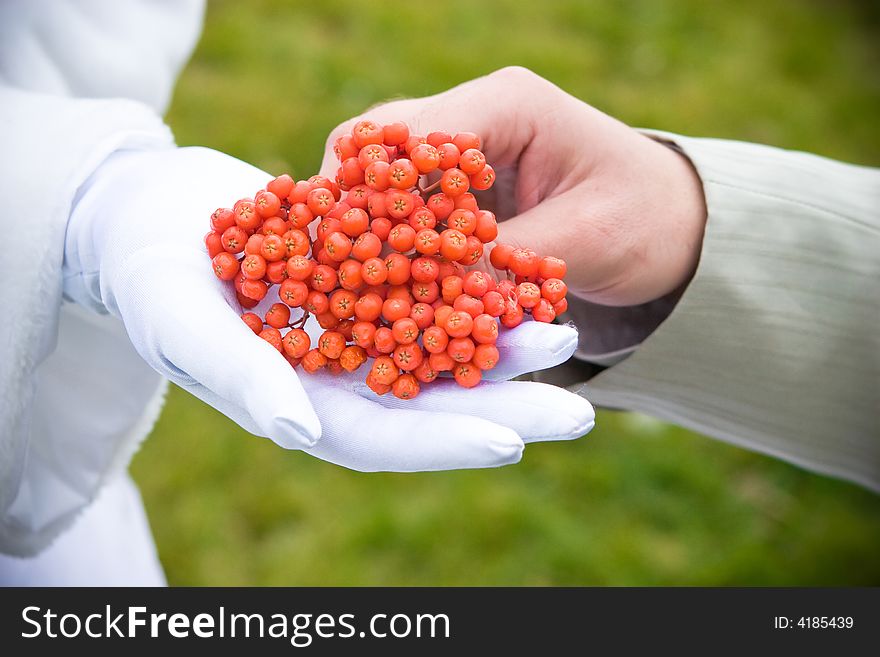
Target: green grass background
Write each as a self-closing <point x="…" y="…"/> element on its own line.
<point x="635" y="503"/>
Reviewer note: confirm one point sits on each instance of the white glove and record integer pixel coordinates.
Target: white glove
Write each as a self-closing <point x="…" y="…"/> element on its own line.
<point x="134" y="247"/>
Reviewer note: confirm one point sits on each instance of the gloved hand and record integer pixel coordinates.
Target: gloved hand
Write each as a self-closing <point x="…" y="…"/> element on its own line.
<point x="134" y="248"/>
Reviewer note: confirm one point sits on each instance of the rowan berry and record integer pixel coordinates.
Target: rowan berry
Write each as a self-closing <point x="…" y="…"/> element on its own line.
<point x="543" y="311"/>
<point x="422" y="314"/>
<point x="342" y="303"/>
<point x="422" y="218"/>
<point x="363" y="334"/>
<point x="452" y="287"/>
<point x="493" y="303"/>
<point x="323" y="278"/>
<point x="253" y="289"/>
<point x="296" y="343"/>
<point x="371" y="153"/>
<point x="471" y="305"/>
<point x="424" y="372"/>
<point x="395" y="134"/>
<point x="399" y="203"/>
<point x="267" y="204"/>
<point x="221" y="219"/>
<point x="399" y="292"/>
<point x="458" y="324"/>
<point x="524" y="262"/>
<point x="317" y="303"/>
<point x="499" y="256"/>
<point x="367" y="132"/>
<point x="448" y="268"/>
<point x="278" y="315"/>
<point x="454" y="181"/>
<point x="253" y="266"/>
<point x="234" y="239"/>
<point x="352" y="357"/>
<point x="560" y="307"/>
<point x="473" y="251"/>
<point x="376" y="178"/>
<point x="402" y="238"/>
<point x="344" y="147"/>
<point x="402" y="174"/>
<point x="328" y="226"/>
<point x="246" y="216"/>
<point x="338" y="246"/>
<point x="486" y="356"/>
<point x="449" y="154"/>
<point x="408" y="356"/>
<point x="512" y="316"/>
<point x="350" y="173"/>
<point x="438" y="137"/>
<point x="375" y="386"/>
<point x="368" y="308"/>
<point x="280" y="186"/>
<point x="331" y="344"/>
<point x="441" y="205"/>
<point x="466" y="140"/>
<point x="394" y="309"/>
<point x="425" y="157"/>
<point x="441" y="314"/>
<point x="299" y="268"/>
<point x="381" y="227"/>
<point x="272" y="336"/>
<point x="427" y="241"/>
<point x="467" y="375"/>
<point x="466" y="201"/>
<point x="225" y="266"/>
<point x="213" y="244"/>
<point x="349" y="275"/>
<point x="385" y="370"/>
<point x="441" y="362"/>
<point x="461" y="349"/>
<point x="373" y="271"/>
<point x="313" y="361"/>
<point x="528" y="295"/>
<point x="484" y="179"/>
<point x="487" y="226"/>
<point x="425" y="292"/>
<point x="405" y="387"/>
<point x="472" y="161"/>
<point x="462" y="220"/>
<point x="327" y="320"/>
<point x="485" y="330"/>
<point x="384" y="341"/>
<point x="253" y="321"/>
<point x="398" y="267"/>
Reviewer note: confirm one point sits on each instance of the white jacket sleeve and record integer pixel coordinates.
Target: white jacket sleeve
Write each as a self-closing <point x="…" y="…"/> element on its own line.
<point x="774" y="345"/>
<point x="78" y="81"/>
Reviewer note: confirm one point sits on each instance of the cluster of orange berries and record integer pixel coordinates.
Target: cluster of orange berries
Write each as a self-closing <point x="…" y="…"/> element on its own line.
<point x="382" y="263"/>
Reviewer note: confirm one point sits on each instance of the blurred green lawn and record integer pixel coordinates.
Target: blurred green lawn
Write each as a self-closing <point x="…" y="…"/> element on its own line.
<point x="635" y="503"/>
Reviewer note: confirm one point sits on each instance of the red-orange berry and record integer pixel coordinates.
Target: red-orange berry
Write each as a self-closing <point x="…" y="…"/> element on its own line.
<point x="296" y="343"/>
<point x="467" y="375"/>
<point x="253" y="322"/>
<point x="272" y="336"/>
<point x="408" y="356"/>
<point x="385" y="370"/>
<point x="486" y="356"/>
<point x="313" y="361"/>
<point x="405" y="387"/>
<point x="225" y="266"/>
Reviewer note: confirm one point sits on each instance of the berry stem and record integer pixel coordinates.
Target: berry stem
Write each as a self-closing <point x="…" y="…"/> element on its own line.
<point x="301" y="321"/>
<point x="429" y="188"/>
